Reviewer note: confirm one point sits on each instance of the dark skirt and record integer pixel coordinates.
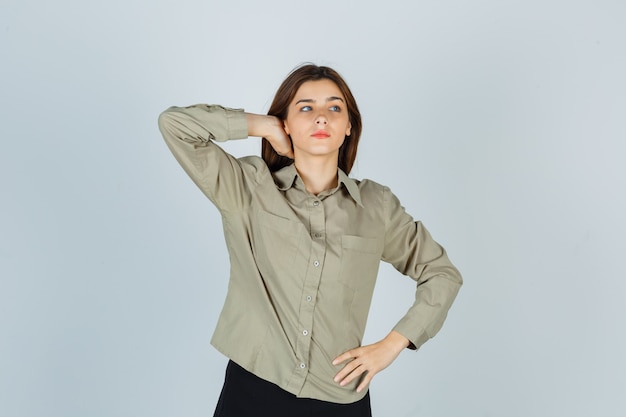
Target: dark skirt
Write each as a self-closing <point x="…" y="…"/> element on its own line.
<point x="246" y="395"/>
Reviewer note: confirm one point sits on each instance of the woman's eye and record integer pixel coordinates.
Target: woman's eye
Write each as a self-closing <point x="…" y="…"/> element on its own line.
<point x="335" y="108"/>
<point x="306" y="108"/>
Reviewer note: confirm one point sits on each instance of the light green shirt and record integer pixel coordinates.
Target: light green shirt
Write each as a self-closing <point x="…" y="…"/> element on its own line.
<point x="303" y="267"/>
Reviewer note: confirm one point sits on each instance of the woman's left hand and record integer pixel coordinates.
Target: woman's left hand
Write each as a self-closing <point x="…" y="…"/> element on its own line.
<point x="370" y="359"/>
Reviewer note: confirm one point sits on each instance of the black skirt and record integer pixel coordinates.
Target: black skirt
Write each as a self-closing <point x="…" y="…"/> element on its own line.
<point x="246" y="395"/>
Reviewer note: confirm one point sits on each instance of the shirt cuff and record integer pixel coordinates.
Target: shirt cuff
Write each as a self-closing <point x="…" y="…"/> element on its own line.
<point x="237" y="123"/>
<point x="417" y="337"/>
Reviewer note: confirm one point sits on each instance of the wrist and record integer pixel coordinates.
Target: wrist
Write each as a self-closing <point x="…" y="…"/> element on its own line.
<point x="397" y="341"/>
<point x="262" y="125"/>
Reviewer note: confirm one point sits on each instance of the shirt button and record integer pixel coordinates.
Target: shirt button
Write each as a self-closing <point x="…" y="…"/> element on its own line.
<point x="316" y="263"/>
<point x="316" y="203"/>
<point x="309" y="298"/>
<point x="317" y="235"/>
<point x="302" y="366"/>
<point x="305" y="332"/>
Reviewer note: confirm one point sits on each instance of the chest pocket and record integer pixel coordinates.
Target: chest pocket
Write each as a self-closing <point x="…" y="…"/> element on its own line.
<point x="275" y="242"/>
<point x="360" y="258"/>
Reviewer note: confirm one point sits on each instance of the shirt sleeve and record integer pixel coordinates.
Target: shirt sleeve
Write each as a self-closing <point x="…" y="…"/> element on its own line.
<point x="189" y="133"/>
<point x="412" y="251"/>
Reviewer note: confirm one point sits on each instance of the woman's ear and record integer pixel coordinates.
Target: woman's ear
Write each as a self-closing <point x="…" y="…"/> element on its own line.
<point x="349" y="129"/>
<point x="286" y="127"/>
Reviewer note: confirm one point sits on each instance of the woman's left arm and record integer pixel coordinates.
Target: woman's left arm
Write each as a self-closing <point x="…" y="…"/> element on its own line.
<point x="412" y="251"/>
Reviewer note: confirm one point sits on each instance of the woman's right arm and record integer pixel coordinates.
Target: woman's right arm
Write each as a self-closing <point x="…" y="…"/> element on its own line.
<point x="189" y="133"/>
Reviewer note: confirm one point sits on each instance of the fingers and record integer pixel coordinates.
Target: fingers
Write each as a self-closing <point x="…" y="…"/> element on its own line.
<point x="288" y="148"/>
<point x="281" y="147"/>
<point x="355" y="368"/>
<point x="348" y="368"/>
<point x="350" y="371"/>
<point x="367" y="361"/>
<point x="288" y="152"/>
<point x="356" y="372"/>
<point x="280" y="140"/>
<point x="365" y="382"/>
<point x="345" y="356"/>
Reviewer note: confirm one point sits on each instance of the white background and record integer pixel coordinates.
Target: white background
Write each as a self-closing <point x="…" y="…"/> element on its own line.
<point x="500" y="124"/>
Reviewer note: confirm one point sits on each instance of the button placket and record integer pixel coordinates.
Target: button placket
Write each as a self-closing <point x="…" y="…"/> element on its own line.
<point x="317" y="255"/>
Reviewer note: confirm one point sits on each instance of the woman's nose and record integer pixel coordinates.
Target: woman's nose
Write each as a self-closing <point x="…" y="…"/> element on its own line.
<point x="321" y="119"/>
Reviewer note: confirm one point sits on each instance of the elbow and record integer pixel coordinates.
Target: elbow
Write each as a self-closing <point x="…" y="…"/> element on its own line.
<point x="172" y="127"/>
<point x="448" y="273"/>
<point x="165" y="120"/>
<point x="454" y="277"/>
<point x="458" y="278"/>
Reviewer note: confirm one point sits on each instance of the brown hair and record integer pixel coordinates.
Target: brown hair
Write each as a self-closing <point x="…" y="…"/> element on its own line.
<point x="280" y="106"/>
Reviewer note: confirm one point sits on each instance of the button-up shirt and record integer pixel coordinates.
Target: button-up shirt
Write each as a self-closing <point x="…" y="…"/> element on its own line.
<point x="303" y="266"/>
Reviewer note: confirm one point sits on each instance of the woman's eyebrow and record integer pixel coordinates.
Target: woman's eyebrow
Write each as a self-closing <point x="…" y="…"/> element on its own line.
<point x="310" y="100"/>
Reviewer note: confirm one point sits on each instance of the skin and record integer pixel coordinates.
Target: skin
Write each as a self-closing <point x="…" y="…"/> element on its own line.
<point x="317" y="109"/>
<point x="320" y="106"/>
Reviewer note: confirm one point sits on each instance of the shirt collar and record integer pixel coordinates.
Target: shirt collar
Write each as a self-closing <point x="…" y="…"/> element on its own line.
<point x="351" y="186"/>
<point x="286" y="177"/>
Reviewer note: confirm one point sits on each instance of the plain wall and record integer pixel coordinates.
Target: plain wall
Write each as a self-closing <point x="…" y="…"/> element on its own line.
<point x="499" y="124"/>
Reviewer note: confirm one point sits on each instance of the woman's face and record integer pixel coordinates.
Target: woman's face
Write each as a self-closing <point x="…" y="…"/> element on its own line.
<point x="317" y="120"/>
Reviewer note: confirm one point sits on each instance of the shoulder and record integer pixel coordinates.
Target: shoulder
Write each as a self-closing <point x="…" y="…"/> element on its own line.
<point x="371" y="189"/>
<point x="370" y="195"/>
<point x="379" y="195"/>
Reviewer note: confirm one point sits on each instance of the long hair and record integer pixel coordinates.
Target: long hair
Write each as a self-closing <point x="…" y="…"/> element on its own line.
<point x="280" y="106"/>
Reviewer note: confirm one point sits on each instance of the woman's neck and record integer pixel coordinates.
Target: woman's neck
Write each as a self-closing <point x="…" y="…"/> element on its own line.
<point x="317" y="174"/>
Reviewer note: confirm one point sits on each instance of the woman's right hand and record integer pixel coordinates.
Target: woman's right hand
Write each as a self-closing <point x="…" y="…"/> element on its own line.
<point x="270" y="128"/>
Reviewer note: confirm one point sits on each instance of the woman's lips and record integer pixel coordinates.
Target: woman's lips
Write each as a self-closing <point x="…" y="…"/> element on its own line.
<point x="321" y="134"/>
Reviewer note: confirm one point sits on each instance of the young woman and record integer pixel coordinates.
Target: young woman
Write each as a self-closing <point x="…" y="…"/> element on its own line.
<point x="305" y="242"/>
